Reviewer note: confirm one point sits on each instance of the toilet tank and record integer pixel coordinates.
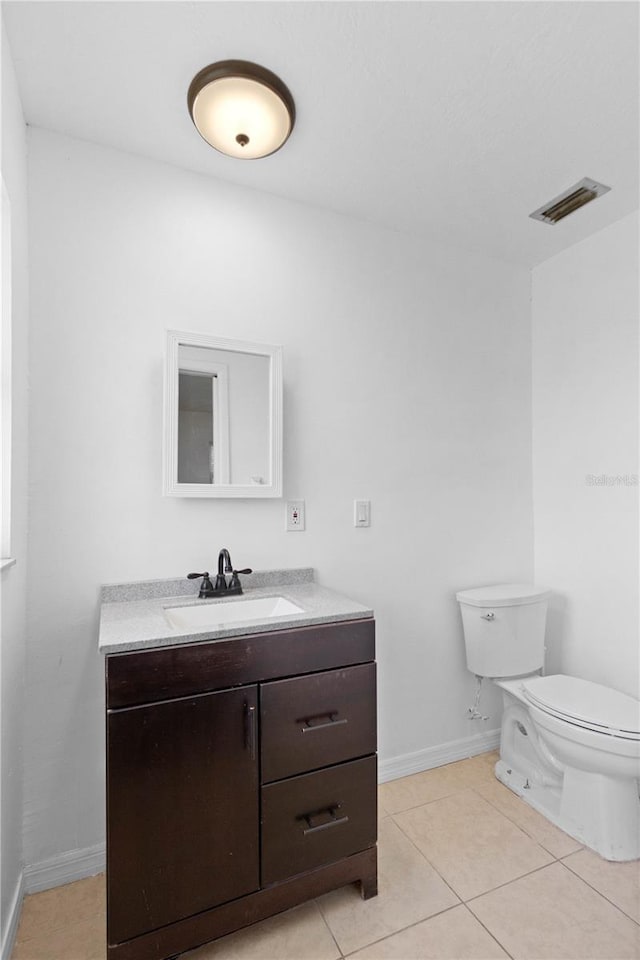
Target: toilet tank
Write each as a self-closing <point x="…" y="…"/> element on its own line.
<point x="504" y="628"/>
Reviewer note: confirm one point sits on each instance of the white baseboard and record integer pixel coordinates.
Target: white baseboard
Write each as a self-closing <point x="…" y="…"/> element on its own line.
<point x="9" y="933"/>
<point x="70" y="866"/>
<point x="408" y="763"/>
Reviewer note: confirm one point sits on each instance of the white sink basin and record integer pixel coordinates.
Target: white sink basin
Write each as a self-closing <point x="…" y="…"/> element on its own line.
<point x="225" y="612"/>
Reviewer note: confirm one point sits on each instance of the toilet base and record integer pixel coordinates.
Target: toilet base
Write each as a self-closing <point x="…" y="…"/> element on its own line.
<point x="595" y="810"/>
<point x="604" y="811"/>
<point x="543" y="798"/>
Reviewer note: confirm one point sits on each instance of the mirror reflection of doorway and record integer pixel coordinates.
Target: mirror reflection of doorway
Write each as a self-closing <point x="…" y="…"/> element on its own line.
<point x="222" y="432"/>
<point x="203" y="440"/>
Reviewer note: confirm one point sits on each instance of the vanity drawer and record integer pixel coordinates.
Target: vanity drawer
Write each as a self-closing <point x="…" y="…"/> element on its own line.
<point x="317" y="720"/>
<point x="318" y="818"/>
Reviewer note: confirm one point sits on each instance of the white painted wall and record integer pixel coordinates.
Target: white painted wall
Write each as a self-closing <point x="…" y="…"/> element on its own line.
<point x="585" y="423"/>
<point x="13" y="580"/>
<point x="407" y="382"/>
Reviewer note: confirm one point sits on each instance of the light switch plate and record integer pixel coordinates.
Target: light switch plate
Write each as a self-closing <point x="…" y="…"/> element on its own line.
<point x="294" y="516"/>
<point x="362" y="513"/>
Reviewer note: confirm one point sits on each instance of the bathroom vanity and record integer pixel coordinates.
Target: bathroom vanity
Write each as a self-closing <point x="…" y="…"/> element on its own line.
<point x="241" y="766"/>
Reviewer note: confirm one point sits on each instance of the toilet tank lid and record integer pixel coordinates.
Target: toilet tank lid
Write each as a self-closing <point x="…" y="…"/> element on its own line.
<point x="502" y="595"/>
<point x="585" y="701"/>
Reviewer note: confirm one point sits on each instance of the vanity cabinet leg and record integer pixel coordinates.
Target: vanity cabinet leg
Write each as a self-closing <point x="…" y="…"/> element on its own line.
<point x="369" y="887"/>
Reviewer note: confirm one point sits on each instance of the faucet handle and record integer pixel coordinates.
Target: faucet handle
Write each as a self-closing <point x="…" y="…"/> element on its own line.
<point x="234" y="582"/>
<point x="206" y="587"/>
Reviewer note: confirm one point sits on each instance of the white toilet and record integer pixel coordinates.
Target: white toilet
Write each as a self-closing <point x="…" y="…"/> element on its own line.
<point x="569" y="747"/>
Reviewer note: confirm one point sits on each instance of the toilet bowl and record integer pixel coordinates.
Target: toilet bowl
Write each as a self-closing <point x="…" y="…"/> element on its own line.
<point x="569" y="747"/>
<point x="586" y="766"/>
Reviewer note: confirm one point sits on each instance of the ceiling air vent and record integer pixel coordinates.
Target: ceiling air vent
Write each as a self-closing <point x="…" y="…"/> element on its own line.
<point x="569" y="201"/>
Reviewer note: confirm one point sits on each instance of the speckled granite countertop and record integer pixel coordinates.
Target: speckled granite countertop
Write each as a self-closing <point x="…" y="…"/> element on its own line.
<point x="132" y="615"/>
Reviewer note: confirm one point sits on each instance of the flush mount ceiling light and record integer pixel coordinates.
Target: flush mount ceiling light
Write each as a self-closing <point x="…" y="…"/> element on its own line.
<point x="241" y="108"/>
<point x="569" y="201"/>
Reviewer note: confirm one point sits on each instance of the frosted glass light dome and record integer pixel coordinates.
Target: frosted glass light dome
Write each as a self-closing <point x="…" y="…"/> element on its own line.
<point x="241" y="109"/>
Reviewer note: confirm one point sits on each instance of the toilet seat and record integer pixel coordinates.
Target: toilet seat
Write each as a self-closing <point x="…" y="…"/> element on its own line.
<point x="585" y="704"/>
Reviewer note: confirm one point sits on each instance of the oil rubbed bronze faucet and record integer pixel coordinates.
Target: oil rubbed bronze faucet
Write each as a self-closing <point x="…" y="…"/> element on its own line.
<point x="221" y="587"/>
<point x="224" y="566"/>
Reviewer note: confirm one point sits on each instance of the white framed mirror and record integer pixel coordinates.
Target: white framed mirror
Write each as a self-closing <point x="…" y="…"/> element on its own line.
<point x="222" y="417"/>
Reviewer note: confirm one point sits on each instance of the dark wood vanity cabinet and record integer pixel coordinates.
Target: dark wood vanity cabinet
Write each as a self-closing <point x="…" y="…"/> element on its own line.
<point x="241" y="780"/>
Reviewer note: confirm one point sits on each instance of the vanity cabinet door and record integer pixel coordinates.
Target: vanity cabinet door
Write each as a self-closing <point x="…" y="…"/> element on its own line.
<point x="183" y="809"/>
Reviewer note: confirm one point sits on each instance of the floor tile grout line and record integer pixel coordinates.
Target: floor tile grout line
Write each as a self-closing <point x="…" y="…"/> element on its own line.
<point x="485" y="927"/>
<point x="409" y="926"/>
<point x="453" y="890"/>
<point x="426" y="803"/>
<point x="491" y="889"/>
<point x="426" y="858"/>
<point x="511" y="820"/>
<point x="422" y="919"/>
<point x="500" y="886"/>
<point x="595" y="889"/>
<point x="524" y="829"/>
<point x="326" y="923"/>
<point x="517" y="825"/>
<point x="474" y="789"/>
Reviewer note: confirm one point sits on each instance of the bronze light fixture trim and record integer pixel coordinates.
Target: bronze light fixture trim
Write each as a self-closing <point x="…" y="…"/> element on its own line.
<point x="241" y="109"/>
<point x="569" y="201"/>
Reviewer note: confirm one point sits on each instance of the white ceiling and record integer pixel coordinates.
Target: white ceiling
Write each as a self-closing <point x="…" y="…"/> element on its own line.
<point x="450" y="120"/>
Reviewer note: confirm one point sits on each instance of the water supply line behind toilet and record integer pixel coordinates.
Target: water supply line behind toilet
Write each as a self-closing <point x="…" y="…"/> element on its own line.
<point x="473" y="712"/>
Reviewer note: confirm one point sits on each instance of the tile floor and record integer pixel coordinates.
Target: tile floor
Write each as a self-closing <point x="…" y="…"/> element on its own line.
<point x="467" y="871"/>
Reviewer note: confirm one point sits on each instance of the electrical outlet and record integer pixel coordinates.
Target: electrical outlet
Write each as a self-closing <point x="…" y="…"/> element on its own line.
<point x="294" y="515"/>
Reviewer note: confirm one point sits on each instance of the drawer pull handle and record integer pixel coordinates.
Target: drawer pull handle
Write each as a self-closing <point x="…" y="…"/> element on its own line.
<point x="334" y="821"/>
<point x="309" y="724"/>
